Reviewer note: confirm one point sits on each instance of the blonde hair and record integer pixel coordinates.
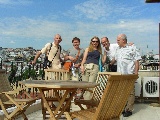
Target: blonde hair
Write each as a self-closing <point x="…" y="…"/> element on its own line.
<point x="90" y="48"/>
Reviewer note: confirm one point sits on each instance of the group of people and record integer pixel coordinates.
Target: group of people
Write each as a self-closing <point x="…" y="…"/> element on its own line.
<point x="123" y="57"/>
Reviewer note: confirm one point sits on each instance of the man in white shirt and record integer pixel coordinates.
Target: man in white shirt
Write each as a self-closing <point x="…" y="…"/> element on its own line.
<point x="110" y="49"/>
<point x="127" y="57"/>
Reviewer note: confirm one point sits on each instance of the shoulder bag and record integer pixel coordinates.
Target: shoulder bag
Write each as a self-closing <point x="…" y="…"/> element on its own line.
<point x="48" y="63"/>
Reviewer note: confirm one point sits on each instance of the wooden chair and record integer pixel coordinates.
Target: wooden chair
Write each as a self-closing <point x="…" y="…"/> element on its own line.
<point x="8" y="99"/>
<point x="51" y="96"/>
<point x="56" y="74"/>
<point x="97" y="92"/>
<point x="113" y="100"/>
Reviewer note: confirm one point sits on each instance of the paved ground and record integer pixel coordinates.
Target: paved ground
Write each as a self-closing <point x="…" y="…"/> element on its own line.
<point x="141" y="112"/>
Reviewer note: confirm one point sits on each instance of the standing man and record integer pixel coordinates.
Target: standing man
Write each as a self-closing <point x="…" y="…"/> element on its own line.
<point x="110" y="49"/>
<point x="127" y="58"/>
<point x="52" y="51"/>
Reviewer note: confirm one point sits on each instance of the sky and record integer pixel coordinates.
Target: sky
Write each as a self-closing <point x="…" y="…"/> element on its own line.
<point x="33" y="23"/>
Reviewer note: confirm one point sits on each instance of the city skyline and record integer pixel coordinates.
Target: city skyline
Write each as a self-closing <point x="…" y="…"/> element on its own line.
<point x="29" y="23"/>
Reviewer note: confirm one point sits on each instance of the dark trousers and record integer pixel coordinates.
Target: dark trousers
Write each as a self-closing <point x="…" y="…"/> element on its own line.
<point x="113" y="68"/>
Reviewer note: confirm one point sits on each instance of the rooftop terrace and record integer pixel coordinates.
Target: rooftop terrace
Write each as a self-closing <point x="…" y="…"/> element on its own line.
<point x="142" y="111"/>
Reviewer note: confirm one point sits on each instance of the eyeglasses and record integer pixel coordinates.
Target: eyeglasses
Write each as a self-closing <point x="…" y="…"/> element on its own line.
<point x="95" y="41"/>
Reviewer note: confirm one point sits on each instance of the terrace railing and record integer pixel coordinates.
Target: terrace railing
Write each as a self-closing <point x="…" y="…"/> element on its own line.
<point x="18" y="70"/>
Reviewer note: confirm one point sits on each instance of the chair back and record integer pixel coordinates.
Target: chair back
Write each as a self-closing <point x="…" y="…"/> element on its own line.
<point x="102" y="79"/>
<point x="115" y="96"/>
<point x="56" y="74"/>
<point x="4" y="85"/>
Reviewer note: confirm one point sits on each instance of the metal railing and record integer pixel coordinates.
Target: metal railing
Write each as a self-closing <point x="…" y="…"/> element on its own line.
<point x="19" y="70"/>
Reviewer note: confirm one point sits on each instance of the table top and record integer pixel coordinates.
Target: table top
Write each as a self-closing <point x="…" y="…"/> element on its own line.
<point x="58" y="84"/>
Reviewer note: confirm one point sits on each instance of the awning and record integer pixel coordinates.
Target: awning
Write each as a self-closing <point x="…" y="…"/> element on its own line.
<point x="152" y="1"/>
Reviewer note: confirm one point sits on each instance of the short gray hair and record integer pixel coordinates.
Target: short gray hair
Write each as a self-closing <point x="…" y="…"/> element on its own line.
<point x="124" y="37"/>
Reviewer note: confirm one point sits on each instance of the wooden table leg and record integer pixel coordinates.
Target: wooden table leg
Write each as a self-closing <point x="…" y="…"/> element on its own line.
<point x="63" y="100"/>
<point x="52" y="117"/>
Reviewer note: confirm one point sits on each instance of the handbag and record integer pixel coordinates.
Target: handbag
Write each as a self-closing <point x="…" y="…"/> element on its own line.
<point x="67" y="65"/>
<point x="47" y="63"/>
<point x="89" y="66"/>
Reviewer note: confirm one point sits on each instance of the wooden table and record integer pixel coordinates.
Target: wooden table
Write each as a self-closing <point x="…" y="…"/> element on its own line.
<point x="70" y="87"/>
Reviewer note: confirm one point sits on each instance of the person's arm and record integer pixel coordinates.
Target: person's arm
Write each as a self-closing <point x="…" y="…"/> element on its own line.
<point x="68" y="57"/>
<point x="43" y="51"/>
<point x="137" y="57"/>
<point x="104" y="57"/>
<point x="136" y="67"/>
<point x="84" y="60"/>
<point x="112" y="61"/>
<point x="36" y="57"/>
<point x="130" y="43"/>
<point x="79" y="59"/>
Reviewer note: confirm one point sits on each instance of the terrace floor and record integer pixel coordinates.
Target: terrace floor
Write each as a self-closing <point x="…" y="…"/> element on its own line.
<point x="142" y="111"/>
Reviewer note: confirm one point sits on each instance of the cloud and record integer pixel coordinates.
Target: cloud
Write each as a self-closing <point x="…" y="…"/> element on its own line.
<point x="42" y="30"/>
<point x="103" y="11"/>
<point x="12" y="42"/>
<point x="15" y="2"/>
<point x="93" y="9"/>
<point x="84" y="20"/>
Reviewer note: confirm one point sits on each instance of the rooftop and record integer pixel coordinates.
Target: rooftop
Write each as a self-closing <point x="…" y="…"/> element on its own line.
<point x="142" y="111"/>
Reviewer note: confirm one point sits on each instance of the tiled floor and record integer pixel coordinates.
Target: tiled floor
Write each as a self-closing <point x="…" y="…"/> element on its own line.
<point x="141" y="112"/>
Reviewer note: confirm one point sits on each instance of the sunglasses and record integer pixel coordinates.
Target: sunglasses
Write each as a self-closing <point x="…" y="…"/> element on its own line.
<point x="95" y="41"/>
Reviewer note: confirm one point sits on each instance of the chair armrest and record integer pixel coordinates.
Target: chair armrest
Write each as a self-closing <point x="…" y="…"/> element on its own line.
<point x="15" y="91"/>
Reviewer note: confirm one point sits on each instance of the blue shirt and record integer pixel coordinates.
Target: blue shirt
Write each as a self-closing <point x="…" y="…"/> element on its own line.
<point x="93" y="57"/>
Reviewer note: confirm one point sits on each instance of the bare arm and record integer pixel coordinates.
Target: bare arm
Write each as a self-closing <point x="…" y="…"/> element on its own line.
<point x="36" y="57"/>
<point x="136" y="67"/>
<point x="84" y="60"/>
<point x="67" y="57"/>
<point x="112" y="61"/>
<point x="104" y="57"/>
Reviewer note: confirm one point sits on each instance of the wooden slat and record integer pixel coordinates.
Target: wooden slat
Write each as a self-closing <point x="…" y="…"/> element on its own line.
<point x="8" y="99"/>
<point x="98" y="91"/>
<point x="113" y="101"/>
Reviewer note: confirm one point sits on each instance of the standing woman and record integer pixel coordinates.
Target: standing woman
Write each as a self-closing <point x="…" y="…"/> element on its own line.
<point x="90" y="63"/>
<point x="75" y="55"/>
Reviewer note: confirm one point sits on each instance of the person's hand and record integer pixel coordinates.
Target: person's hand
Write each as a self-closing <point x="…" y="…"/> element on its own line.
<point x="130" y="43"/>
<point x="136" y="73"/>
<point x="70" y="58"/>
<point x="33" y="62"/>
<point x="76" y="65"/>
<point x="106" y="45"/>
<point x="82" y="69"/>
